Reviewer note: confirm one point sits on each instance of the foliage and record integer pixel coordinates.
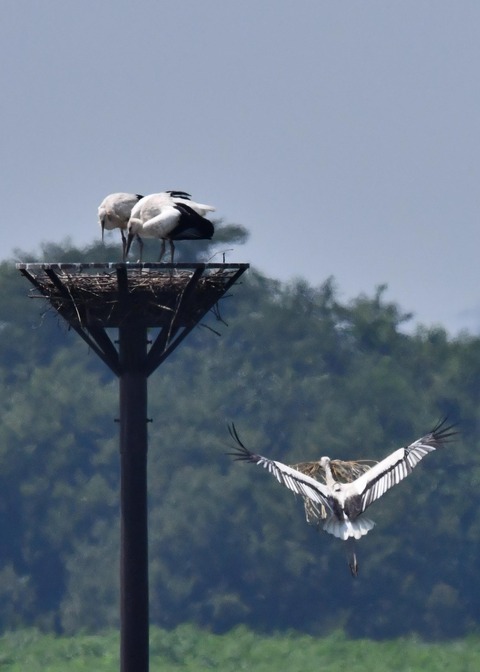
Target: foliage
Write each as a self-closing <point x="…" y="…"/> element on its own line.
<point x="189" y="649"/>
<point x="301" y="374"/>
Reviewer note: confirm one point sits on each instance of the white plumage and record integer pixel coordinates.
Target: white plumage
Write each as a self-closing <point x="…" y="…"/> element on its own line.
<point x="114" y="212"/>
<point x="344" y="503"/>
<point x="169" y="215"/>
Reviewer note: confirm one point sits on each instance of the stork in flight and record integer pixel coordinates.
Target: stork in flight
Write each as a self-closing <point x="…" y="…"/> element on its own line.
<point x="342" y="504"/>
<point x="344" y="472"/>
<point x="169" y="215"/>
<point x="114" y="212"/>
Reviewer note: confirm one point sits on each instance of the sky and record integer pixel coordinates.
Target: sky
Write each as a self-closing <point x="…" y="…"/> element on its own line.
<point x="343" y="135"/>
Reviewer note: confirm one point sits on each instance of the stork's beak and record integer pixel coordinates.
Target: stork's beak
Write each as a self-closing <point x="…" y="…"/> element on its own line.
<point x="130" y="237"/>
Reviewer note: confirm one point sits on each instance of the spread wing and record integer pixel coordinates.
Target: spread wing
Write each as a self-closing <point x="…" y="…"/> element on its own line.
<point x="294" y="480"/>
<point x="394" y="468"/>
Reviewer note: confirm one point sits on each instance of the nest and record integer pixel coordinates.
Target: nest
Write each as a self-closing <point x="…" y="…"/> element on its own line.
<point x="150" y="296"/>
<point x="344" y="472"/>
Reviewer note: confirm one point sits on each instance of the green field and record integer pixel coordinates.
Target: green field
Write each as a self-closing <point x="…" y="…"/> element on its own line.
<point x="190" y="649"/>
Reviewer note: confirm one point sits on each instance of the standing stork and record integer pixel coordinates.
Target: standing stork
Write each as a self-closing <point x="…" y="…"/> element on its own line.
<point x="169" y="215"/>
<point x="345" y="502"/>
<point x="114" y="212"/>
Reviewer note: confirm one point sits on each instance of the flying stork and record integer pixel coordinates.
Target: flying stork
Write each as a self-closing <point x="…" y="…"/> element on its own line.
<point x="342" y="504"/>
<point x="344" y="472"/>
<point x="114" y="212"/>
<point x="169" y="215"/>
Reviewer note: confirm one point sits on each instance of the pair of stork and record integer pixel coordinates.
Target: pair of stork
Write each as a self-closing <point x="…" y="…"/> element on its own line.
<point x="168" y="215"/>
<point x="337" y="493"/>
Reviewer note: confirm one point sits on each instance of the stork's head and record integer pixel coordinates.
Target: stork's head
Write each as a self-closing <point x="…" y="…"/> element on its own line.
<point x="134" y="225"/>
<point x="324" y="462"/>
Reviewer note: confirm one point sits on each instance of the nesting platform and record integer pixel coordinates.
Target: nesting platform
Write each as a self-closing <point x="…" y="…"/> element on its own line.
<point x="153" y="307"/>
<point x="97" y="296"/>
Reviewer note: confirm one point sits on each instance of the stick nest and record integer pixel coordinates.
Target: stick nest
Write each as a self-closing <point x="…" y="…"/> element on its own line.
<point x="153" y="297"/>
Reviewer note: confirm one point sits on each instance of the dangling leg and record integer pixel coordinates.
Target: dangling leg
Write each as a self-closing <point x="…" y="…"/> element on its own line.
<point x="352" y="556"/>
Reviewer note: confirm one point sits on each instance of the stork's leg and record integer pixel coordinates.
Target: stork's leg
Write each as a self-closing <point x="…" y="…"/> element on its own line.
<point x="352" y="556"/>
<point x="124" y="246"/>
<point x="162" y="250"/>
<point x="172" y="250"/>
<point x="140" y="245"/>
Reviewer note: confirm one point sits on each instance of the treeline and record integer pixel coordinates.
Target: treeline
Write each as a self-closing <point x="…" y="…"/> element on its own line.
<point x="302" y="374"/>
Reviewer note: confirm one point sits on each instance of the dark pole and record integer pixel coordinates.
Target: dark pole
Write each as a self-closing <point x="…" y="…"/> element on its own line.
<point x="134" y="645"/>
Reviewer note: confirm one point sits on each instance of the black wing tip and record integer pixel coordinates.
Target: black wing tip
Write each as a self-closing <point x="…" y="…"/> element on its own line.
<point x="175" y="193"/>
<point x="442" y="431"/>
<point x="187" y="210"/>
<point x="241" y="452"/>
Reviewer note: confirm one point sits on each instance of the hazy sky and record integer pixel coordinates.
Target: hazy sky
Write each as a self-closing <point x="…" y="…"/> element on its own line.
<point x="344" y="135"/>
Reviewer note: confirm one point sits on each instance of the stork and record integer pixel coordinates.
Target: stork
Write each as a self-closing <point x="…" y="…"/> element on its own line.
<point x="343" y="471"/>
<point x="169" y="215"/>
<point x="114" y="212"/>
<point x="344" y="503"/>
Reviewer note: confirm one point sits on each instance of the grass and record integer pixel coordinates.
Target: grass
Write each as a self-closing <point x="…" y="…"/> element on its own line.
<point x="190" y="649"/>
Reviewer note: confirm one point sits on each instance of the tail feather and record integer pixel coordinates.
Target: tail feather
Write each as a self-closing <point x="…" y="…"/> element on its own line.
<point x="344" y="529"/>
<point x="202" y="208"/>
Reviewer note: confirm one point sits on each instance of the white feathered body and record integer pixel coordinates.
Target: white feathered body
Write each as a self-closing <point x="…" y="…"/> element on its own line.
<point x="169" y="216"/>
<point x="157" y="216"/>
